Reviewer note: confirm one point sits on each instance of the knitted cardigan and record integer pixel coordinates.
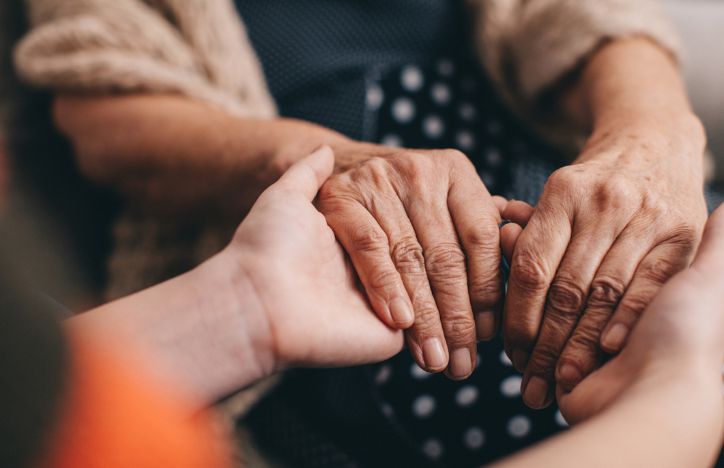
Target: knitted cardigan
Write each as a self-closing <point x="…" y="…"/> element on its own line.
<point x="199" y="49"/>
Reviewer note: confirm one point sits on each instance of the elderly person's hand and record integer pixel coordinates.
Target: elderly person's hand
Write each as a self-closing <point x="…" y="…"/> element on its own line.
<point x="680" y="338"/>
<point x="422" y="232"/>
<point x="607" y="233"/>
<point x="613" y="227"/>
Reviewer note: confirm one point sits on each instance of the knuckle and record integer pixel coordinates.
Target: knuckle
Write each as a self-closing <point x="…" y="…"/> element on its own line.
<point x="660" y="269"/>
<point x="565" y="299"/>
<point x="415" y="166"/>
<point x="585" y="340"/>
<point x="426" y="317"/>
<point x="484" y="237"/>
<point x="613" y="194"/>
<point x="459" y="327"/>
<point x="445" y="262"/>
<point x="486" y="293"/>
<point x="543" y="359"/>
<point x="562" y="178"/>
<point x="408" y="257"/>
<point x="520" y="331"/>
<point x="528" y="273"/>
<point x="606" y="292"/>
<point x="454" y="156"/>
<point x="367" y="238"/>
<point x="382" y="279"/>
<point x="634" y="304"/>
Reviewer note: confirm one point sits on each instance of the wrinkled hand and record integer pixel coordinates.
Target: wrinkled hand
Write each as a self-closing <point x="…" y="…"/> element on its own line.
<point x="681" y="332"/>
<point x="608" y="232"/>
<point x="314" y="312"/>
<point x="422" y="232"/>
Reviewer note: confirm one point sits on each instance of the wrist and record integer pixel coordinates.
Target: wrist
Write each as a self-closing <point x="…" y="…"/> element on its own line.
<point x="678" y="135"/>
<point x="250" y="352"/>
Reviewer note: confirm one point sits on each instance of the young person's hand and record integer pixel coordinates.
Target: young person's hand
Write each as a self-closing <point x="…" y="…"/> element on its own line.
<point x="312" y="310"/>
<point x="680" y="336"/>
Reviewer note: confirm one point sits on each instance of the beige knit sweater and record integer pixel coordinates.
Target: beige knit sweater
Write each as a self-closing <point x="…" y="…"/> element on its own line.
<point x="199" y="48"/>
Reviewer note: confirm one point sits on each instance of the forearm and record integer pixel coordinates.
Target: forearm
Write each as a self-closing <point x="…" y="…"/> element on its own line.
<point x="665" y="421"/>
<point x="635" y="87"/>
<point x="204" y="333"/>
<point x="170" y="153"/>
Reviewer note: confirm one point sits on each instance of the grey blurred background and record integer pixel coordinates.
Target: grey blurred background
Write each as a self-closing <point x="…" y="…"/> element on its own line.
<point x="701" y="23"/>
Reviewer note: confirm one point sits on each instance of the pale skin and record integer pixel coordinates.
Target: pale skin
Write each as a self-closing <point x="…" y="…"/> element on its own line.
<point x="427" y="257"/>
<point x="244" y="313"/>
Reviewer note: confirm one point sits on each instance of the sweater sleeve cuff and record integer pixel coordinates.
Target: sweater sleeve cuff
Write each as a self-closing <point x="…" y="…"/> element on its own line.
<point x="556" y="36"/>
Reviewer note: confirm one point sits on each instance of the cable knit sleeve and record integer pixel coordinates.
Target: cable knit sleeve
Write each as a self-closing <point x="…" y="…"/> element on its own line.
<point x="528" y="46"/>
<point x="105" y="46"/>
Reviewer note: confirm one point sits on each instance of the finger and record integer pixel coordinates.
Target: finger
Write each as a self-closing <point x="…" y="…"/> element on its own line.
<point x="564" y="306"/>
<point x="307" y="175"/>
<point x="583" y="354"/>
<point x="447" y="275"/>
<point x="509" y="235"/>
<point x="518" y="212"/>
<point x="500" y="204"/>
<point x="710" y="257"/>
<point x="368" y="248"/>
<point x="659" y="265"/>
<point x="477" y="228"/>
<point x="427" y="344"/>
<point x="535" y="261"/>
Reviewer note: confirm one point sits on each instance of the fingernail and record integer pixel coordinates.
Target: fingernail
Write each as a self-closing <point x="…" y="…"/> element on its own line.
<point x="569" y="375"/>
<point x="485" y="325"/>
<point x="520" y="359"/>
<point x="461" y="363"/>
<point x="536" y="393"/>
<point x="614" y="340"/>
<point x="434" y="354"/>
<point x="401" y="312"/>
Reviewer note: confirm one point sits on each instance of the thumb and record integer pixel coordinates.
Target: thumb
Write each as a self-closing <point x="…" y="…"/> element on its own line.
<point x="307" y="175"/>
<point x="508" y="238"/>
<point x="710" y="257"/>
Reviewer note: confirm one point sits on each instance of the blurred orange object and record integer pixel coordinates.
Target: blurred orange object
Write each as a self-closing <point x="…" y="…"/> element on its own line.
<point x="112" y="417"/>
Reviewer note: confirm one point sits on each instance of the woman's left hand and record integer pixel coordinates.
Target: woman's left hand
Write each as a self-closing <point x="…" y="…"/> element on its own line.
<point x="608" y="232"/>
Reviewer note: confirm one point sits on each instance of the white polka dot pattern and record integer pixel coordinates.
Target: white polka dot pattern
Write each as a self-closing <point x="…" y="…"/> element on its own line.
<point x="383" y="375"/>
<point x="433" y="448"/>
<point x="441" y="94"/>
<point x="403" y="110"/>
<point x="466" y="396"/>
<point x="519" y="426"/>
<point x="510" y="387"/>
<point x="375" y="97"/>
<point x="474" y="438"/>
<point x="418" y="373"/>
<point x="433" y="127"/>
<point x="423" y="406"/>
<point x="411" y="78"/>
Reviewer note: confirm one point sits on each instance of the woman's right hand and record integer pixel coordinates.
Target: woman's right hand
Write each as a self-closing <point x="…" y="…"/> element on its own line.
<point x="422" y="232"/>
<point x="680" y="336"/>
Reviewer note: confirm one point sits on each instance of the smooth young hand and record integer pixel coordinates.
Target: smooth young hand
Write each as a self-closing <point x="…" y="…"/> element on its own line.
<point x="314" y="312"/>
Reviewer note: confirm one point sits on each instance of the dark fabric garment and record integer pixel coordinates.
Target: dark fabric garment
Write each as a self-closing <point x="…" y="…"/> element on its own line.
<point x="319" y="55"/>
